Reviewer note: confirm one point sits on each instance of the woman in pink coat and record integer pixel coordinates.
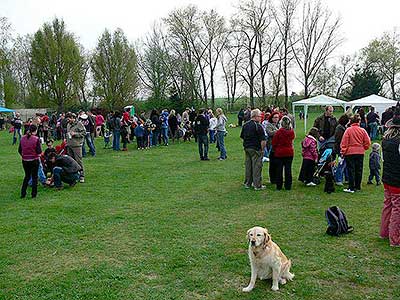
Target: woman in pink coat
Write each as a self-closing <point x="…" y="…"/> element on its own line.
<point x="354" y="143"/>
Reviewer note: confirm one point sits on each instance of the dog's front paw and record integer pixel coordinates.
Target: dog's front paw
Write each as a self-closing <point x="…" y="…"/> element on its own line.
<point x="275" y="288"/>
<point x="247" y="289"/>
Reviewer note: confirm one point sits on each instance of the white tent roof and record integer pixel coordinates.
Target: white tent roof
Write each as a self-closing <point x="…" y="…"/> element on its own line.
<point x="380" y="103"/>
<point x="321" y="100"/>
<point x="371" y="100"/>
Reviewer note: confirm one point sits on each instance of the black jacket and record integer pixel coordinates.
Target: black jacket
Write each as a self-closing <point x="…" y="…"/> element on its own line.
<point x="391" y="161"/>
<point x="201" y="125"/>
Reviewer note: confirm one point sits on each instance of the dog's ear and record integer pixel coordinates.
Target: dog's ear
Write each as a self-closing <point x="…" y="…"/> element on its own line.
<point x="267" y="238"/>
<point x="248" y="234"/>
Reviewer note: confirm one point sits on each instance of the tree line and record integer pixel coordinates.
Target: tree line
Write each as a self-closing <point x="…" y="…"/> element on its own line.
<point x="257" y="53"/>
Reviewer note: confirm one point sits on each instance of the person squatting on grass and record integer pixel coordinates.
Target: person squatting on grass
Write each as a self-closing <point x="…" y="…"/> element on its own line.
<point x="221" y="132"/>
<point x="66" y="169"/>
<point x="254" y="142"/>
<point x="390" y="220"/>
<point x="282" y="143"/>
<point x="30" y="150"/>
<point x="310" y="157"/>
<point x="375" y="164"/>
<point x="354" y="143"/>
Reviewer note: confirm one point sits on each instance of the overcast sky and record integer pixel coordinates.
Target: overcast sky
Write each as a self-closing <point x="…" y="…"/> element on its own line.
<point x="362" y="20"/>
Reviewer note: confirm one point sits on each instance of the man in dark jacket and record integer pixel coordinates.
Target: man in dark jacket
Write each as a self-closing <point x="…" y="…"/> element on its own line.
<point x="326" y="124"/>
<point x="201" y="125"/>
<point x="66" y="170"/>
<point x="254" y="142"/>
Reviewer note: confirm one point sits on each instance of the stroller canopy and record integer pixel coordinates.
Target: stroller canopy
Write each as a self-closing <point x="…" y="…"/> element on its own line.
<point x="4" y="109"/>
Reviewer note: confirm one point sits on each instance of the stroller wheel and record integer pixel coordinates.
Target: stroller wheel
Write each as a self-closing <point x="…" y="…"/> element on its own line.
<point x="316" y="180"/>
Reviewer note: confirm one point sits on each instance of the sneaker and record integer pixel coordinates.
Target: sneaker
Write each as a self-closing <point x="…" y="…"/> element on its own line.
<point x="263" y="187"/>
<point x="265" y="159"/>
<point x="82" y="180"/>
<point x="206" y="158"/>
<point x="221" y="158"/>
<point x="339" y="183"/>
<point x="247" y="186"/>
<point x="348" y="191"/>
<point x="311" y="184"/>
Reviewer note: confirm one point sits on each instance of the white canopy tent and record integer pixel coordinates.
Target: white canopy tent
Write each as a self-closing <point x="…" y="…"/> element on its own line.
<point x="380" y="103"/>
<point x="321" y="100"/>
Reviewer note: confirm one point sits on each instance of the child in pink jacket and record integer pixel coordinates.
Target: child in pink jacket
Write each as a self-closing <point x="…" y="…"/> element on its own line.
<point x="310" y="157"/>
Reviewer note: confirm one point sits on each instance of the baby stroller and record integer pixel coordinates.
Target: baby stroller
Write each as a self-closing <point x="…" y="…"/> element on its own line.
<point x="325" y="166"/>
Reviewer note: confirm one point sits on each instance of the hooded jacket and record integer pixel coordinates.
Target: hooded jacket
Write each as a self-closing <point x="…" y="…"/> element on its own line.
<point x="309" y="148"/>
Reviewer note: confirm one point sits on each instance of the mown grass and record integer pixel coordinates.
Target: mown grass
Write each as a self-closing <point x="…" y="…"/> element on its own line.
<point x="160" y="224"/>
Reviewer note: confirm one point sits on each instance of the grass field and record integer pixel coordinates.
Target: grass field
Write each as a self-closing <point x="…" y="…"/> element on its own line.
<point x="160" y="224"/>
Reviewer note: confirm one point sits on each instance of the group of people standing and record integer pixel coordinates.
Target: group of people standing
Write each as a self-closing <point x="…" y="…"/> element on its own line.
<point x="348" y="142"/>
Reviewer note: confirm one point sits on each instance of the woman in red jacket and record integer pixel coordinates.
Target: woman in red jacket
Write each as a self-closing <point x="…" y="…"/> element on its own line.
<point x="30" y="150"/>
<point x="282" y="143"/>
<point x="354" y="143"/>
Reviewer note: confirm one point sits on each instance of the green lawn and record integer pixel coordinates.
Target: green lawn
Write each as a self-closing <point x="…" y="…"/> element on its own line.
<point x="160" y="224"/>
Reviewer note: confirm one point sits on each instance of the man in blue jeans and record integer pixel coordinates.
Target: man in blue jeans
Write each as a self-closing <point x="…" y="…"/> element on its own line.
<point x="66" y="170"/>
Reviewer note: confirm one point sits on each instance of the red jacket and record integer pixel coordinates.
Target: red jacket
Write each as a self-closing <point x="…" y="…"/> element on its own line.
<point x="355" y="140"/>
<point x="309" y="148"/>
<point x="282" y="143"/>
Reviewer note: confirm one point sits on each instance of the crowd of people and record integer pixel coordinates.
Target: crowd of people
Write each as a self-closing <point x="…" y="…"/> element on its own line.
<point x="268" y="136"/>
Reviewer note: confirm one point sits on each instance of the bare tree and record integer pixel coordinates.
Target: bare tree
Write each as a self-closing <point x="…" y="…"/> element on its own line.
<point x="284" y="16"/>
<point x="214" y="41"/>
<point x="231" y="59"/>
<point x="318" y="38"/>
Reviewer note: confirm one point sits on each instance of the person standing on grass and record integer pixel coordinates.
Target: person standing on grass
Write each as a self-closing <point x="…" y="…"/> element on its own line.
<point x="173" y="124"/>
<point x="326" y="124"/>
<point x="30" y="150"/>
<point x="341" y="169"/>
<point x="211" y="129"/>
<point x="270" y="129"/>
<point x="372" y="123"/>
<point x="76" y="133"/>
<point x="254" y="142"/>
<point x="390" y="220"/>
<point x="201" y="129"/>
<point x="354" y="143"/>
<point x="310" y="157"/>
<point x="221" y="131"/>
<point x="16" y="122"/>
<point x="164" y="126"/>
<point x="282" y="143"/>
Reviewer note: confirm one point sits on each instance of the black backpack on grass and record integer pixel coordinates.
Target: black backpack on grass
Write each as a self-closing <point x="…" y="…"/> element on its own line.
<point x="337" y="222"/>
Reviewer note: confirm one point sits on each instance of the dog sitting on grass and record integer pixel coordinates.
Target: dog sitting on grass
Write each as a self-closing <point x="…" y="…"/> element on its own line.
<point x="266" y="259"/>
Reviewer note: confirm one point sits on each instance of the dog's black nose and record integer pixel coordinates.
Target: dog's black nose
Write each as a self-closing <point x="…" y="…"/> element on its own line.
<point x="253" y="243"/>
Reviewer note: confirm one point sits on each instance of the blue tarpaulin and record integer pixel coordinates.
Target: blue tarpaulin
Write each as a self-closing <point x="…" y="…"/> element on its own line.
<point x="3" y="109"/>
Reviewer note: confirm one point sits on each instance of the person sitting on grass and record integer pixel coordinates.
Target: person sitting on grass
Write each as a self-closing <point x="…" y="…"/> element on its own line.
<point x="66" y="170"/>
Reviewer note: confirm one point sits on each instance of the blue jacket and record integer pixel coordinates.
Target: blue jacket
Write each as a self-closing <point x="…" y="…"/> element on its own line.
<point x="164" y="119"/>
<point x="374" y="160"/>
<point x="139" y="131"/>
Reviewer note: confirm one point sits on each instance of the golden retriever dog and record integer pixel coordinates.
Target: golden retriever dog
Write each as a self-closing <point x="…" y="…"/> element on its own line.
<point x="266" y="259"/>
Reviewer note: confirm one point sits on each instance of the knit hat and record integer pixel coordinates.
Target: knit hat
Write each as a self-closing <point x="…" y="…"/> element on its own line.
<point x="376" y="147"/>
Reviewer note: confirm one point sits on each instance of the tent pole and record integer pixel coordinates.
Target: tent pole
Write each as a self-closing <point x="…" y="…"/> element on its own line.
<point x="305" y="118"/>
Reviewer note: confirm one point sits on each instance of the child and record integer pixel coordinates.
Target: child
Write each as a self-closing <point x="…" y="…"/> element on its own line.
<point x="139" y="133"/>
<point x="107" y="137"/>
<point x="47" y="165"/>
<point x="310" y="157"/>
<point x="375" y="164"/>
